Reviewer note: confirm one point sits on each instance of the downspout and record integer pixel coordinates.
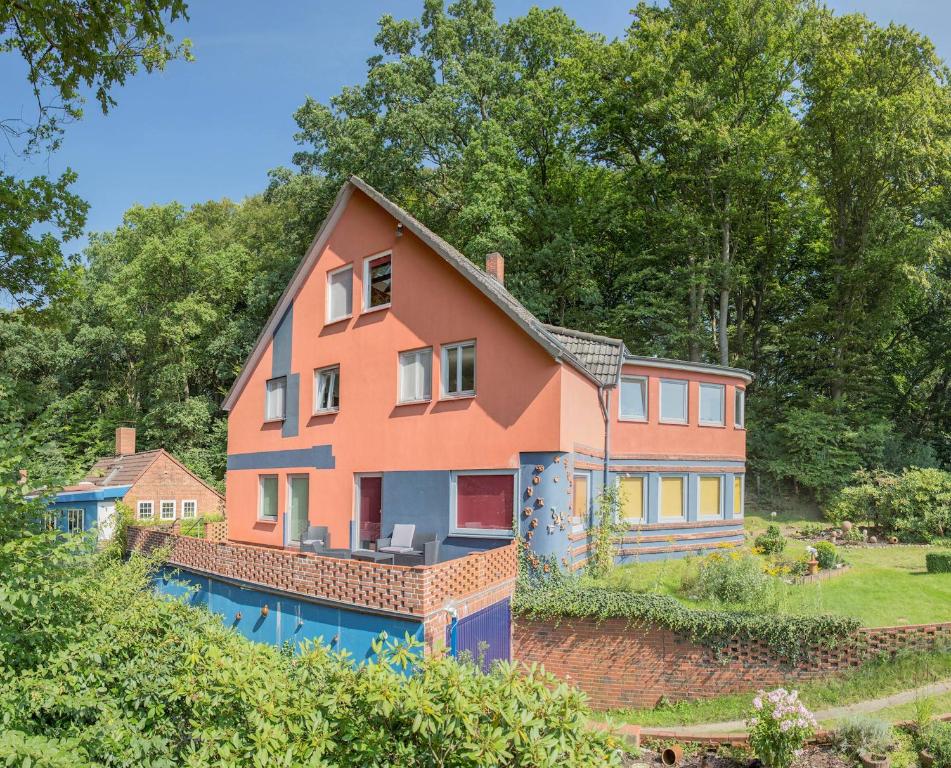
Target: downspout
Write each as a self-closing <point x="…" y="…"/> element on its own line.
<point x="604" y="400"/>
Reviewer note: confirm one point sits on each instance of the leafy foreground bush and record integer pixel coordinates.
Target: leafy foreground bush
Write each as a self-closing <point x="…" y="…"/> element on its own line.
<point x="790" y="637"/>
<point x="772" y="542"/>
<point x="126" y="678"/>
<point x="733" y="577"/>
<point x="915" y="506"/>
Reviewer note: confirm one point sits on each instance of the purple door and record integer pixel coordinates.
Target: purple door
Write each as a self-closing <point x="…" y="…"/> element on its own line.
<point x="485" y="636"/>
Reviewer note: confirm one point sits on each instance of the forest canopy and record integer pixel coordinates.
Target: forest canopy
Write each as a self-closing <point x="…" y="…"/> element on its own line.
<point x="757" y="183"/>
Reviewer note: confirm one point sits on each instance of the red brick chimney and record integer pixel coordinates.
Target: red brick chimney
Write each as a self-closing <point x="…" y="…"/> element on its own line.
<point x="125" y="441"/>
<point x="495" y="266"/>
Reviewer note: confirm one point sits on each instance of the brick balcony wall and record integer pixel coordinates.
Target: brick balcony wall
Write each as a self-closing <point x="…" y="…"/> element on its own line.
<point x="618" y="665"/>
<point x="418" y="592"/>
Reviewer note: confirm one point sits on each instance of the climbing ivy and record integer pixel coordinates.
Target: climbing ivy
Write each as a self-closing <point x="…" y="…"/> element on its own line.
<point x="792" y="638"/>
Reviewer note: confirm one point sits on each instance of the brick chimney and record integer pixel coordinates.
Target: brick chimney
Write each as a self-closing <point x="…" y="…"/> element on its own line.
<point x="125" y="441"/>
<point x="495" y="266"/>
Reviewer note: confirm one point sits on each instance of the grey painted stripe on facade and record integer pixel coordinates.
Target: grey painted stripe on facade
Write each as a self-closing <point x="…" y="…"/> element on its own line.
<point x="291" y="406"/>
<point x="281" y="350"/>
<point x="673" y="463"/>
<point x="318" y="456"/>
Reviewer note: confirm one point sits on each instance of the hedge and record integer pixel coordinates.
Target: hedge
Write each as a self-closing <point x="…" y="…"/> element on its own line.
<point x="938" y="562"/>
<point x="792" y="638"/>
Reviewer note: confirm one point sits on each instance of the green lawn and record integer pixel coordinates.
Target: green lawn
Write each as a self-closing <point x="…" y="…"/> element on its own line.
<point x="872" y="681"/>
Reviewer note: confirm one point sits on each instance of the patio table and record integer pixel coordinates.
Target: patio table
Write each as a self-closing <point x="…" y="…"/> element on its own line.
<point x="372" y="556"/>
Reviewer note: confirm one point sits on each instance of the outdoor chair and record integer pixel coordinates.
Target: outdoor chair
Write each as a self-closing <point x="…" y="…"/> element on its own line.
<point x="315" y="539"/>
<point x="410" y="547"/>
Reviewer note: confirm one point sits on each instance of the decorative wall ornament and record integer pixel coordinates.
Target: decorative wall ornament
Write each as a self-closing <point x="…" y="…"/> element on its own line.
<point x="536" y="480"/>
<point x="539" y="467"/>
<point x="558" y="459"/>
<point x="539" y="502"/>
<point x="533" y="524"/>
<point x="529" y="491"/>
<point x="527" y="511"/>
<point x="556" y="479"/>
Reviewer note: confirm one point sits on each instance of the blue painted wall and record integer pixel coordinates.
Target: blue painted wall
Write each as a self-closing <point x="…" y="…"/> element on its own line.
<point x="281" y="366"/>
<point x="422" y="498"/>
<point x="545" y="506"/>
<point x="90" y="513"/>
<point x="289" y="619"/>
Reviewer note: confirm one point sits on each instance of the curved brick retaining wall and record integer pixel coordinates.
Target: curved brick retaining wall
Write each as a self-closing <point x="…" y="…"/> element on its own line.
<point x="622" y="666"/>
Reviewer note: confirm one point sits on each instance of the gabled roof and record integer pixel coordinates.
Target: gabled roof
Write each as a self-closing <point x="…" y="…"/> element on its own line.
<point x="490" y="287"/>
<point x="601" y="355"/>
<point x="124" y="471"/>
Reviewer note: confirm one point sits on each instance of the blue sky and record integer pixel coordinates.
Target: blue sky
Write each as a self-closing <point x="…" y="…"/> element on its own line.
<point x="214" y="127"/>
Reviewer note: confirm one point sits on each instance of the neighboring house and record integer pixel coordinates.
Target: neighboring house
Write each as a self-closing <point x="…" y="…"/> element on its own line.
<point x="397" y="382"/>
<point x="153" y="483"/>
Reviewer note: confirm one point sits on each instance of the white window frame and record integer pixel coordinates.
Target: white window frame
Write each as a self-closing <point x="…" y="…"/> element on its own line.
<point x="138" y="509"/>
<point x="444" y="370"/>
<point x="328" y="317"/>
<point x="480" y="533"/>
<point x="742" y="513"/>
<point x="335" y="369"/>
<point x="69" y="519"/>
<point x="399" y="376"/>
<point x="366" y="282"/>
<point x="660" y="496"/>
<point x="267" y="399"/>
<point x="277" y="484"/>
<point x="645" y="482"/>
<point x="162" y="503"/>
<point x="51" y="519"/>
<point x="185" y="503"/>
<point x="660" y="401"/>
<point x="739" y="408"/>
<point x="700" y="419"/>
<point x="722" y="513"/>
<point x="620" y="411"/>
<point x="587" y="510"/>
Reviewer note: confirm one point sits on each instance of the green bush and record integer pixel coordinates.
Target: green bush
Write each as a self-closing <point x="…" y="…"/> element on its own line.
<point x="789" y="637"/>
<point x="864" y="734"/>
<point x="915" y="506"/>
<point x="938" y="562"/>
<point x="937" y="740"/>
<point x="826" y="554"/>
<point x="811" y="530"/>
<point x="729" y="578"/>
<point x="771" y="542"/>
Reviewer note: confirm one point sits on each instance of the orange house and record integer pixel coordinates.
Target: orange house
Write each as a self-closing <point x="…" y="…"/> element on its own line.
<point x="396" y="382"/>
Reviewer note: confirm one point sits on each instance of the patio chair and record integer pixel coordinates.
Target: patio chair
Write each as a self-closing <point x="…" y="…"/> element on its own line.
<point x="315" y="539"/>
<point x="410" y="547"/>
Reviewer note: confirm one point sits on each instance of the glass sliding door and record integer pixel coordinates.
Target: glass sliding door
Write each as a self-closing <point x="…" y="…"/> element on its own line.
<point x="298" y="502"/>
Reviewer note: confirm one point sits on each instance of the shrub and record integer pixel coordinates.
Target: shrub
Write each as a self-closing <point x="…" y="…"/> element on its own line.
<point x="937" y="740"/>
<point x="789" y="637"/>
<point x="729" y="578"/>
<point x="864" y="734"/>
<point x="826" y="554"/>
<point x="811" y="530"/>
<point x="772" y="542"/>
<point x="779" y="726"/>
<point x="938" y="562"/>
<point x="915" y="505"/>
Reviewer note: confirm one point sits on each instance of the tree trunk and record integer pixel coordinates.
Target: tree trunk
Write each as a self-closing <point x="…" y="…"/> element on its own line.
<point x="695" y="296"/>
<point x="725" y="245"/>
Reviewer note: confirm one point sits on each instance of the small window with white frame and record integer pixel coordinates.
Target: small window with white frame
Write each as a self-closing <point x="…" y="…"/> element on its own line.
<point x="739" y="408"/>
<point x="483" y="503"/>
<point x="458" y="369"/>
<point x="340" y="293"/>
<point x="712" y="405"/>
<point x="51" y="520"/>
<point x="146" y="510"/>
<point x="673" y="401"/>
<point x="633" y="398"/>
<point x="275" y="399"/>
<point x="267" y="498"/>
<point x="74" y="520"/>
<point x="416" y="375"/>
<point x="377" y="282"/>
<point x="327" y="389"/>
<point x="189" y="509"/>
<point x="167" y="509"/>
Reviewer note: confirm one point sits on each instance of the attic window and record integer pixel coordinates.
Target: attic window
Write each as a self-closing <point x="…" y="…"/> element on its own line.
<point x="339" y="293"/>
<point x="274" y="405"/>
<point x="458" y="369"/>
<point x="377" y="282"/>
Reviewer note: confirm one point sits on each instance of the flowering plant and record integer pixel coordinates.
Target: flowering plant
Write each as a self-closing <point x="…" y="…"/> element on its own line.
<point x="779" y="725"/>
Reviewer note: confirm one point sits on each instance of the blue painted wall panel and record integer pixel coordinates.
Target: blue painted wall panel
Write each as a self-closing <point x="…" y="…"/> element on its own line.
<point x="90" y="513"/>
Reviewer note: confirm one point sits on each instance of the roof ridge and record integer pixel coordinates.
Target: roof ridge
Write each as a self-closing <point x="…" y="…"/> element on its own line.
<point x="583" y="334"/>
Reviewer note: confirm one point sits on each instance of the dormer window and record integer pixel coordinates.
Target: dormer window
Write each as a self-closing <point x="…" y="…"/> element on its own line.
<point x="275" y="399"/>
<point x="377" y="282"/>
<point x="340" y="293"/>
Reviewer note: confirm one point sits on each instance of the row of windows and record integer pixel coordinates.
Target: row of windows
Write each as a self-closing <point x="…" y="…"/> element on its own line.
<point x="377" y="287"/>
<point x="672" y="497"/>
<point x="167" y="509"/>
<point x="482" y="503"/>
<point x="415" y="373"/>
<point x="675" y="401"/>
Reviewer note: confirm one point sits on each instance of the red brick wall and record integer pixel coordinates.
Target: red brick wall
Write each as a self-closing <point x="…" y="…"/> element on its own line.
<point x="165" y="480"/>
<point x="622" y="666"/>
<point x="423" y="592"/>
